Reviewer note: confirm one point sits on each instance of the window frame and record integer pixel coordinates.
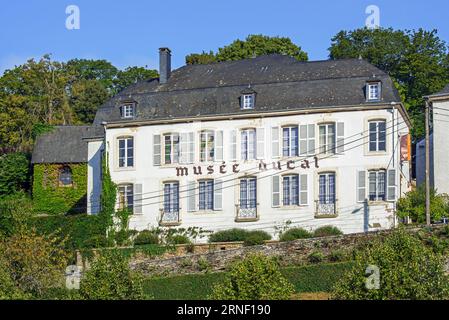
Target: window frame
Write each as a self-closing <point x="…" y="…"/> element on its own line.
<point x="370" y="85"/>
<point x="128" y="107"/>
<point x="327" y="193"/>
<point x="248" y="199"/>
<point x="248" y="104"/>
<point x="291" y="195"/>
<point x="174" y="154"/>
<point x="209" y="192"/>
<point x="327" y="151"/>
<point x="245" y="156"/>
<point x="377" y="198"/>
<point x="126" y="156"/>
<point x="377" y="140"/>
<point x="125" y="204"/>
<point x="172" y="197"/>
<point x="290" y="129"/>
<point x="69" y="173"/>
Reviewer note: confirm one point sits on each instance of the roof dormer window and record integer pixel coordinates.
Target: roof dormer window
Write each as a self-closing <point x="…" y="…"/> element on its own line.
<point x="127" y="111"/>
<point x="373" y="90"/>
<point x="247" y="101"/>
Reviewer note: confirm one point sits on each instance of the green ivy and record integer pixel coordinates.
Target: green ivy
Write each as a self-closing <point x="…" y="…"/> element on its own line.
<point x="50" y="198"/>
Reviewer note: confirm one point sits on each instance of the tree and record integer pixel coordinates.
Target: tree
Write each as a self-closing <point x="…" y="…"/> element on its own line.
<point x="413" y="205"/>
<point x="99" y="70"/>
<point x="111" y="279"/>
<point x="86" y="97"/>
<point x="252" y="46"/>
<point x="132" y="75"/>
<point x="416" y="60"/>
<point x="14" y="173"/>
<point x="407" y="270"/>
<point x="255" y="278"/>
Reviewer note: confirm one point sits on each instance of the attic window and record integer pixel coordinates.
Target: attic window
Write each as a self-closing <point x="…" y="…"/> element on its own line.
<point x="247" y="101"/>
<point x="373" y="90"/>
<point x="127" y="110"/>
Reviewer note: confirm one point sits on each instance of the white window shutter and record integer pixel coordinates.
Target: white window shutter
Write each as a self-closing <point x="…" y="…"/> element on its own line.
<point x="191" y="199"/>
<point x="233" y="146"/>
<point x="138" y="206"/>
<point x="219" y="145"/>
<point x="275" y="192"/>
<point x="303" y="140"/>
<point x="156" y="150"/>
<point x="391" y="186"/>
<point x="361" y="186"/>
<point x="303" y="196"/>
<point x="218" y="194"/>
<point x="260" y="148"/>
<point x="183" y="148"/>
<point x="191" y="148"/>
<point x="311" y="139"/>
<point x="275" y="142"/>
<point x="340" y="137"/>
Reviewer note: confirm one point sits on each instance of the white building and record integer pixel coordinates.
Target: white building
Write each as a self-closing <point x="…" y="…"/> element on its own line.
<point x="256" y="143"/>
<point x="439" y="145"/>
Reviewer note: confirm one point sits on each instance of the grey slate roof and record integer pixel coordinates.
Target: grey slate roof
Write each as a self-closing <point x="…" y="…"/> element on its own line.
<point x="65" y="144"/>
<point x="280" y="82"/>
<point x="445" y="90"/>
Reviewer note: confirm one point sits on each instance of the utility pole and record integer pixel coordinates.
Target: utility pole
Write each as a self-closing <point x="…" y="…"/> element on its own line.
<point x="427" y="164"/>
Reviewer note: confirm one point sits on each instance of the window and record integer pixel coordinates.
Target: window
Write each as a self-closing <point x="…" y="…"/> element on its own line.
<point x="377" y="185"/>
<point x="171" y="148"/>
<point x="127" y="111"/>
<point x="291" y="190"/>
<point x="207" y="149"/>
<point x="248" y="141"/>
<point x="247" y="101"/>
<point x="327" y="188"/>
<point x="126" y="152"/>
<point x="206" y="195"/>
<point x="248" y="193"/>
<point x="171" y="200"/>
<point x="377" y="136"/>
<point x="290" y="141"/>
<point x="65" y="176"/>
<point x="327" y="138"/>
<point x="126" y="197"/>
<point x="373" y="91"/>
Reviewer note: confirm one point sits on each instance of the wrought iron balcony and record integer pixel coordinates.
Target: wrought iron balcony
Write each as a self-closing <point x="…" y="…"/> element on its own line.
<point x="169" y="217"/>
<point x="246" y="212"/>
<point x="325" y="209"/>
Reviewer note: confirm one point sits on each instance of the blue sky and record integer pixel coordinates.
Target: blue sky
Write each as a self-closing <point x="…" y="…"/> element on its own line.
<point x="130" y="32"/>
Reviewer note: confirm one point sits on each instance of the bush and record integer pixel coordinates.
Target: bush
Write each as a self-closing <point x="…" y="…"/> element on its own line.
<point x="413" y="205"/>
<point x="95" y="242"/>
<point x="146" y="237"/>
<point x="337" y="256"/>
<point x="179" y="239"/>
<point x="15" y="212"/>
<point x="110" y="278"/>
<point x="256" y="237"/>
<point x="294" y="234"/>
<point x="255" y="278"/>
<point x="316" y="257"/>
<point x="408" y="270"/>
<point x="14" y="173"/>
<point x="327" y="231"/>
<point x="230" y="235"/>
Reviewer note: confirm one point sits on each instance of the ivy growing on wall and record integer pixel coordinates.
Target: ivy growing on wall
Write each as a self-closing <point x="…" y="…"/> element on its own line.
<point x="51" y="198"/>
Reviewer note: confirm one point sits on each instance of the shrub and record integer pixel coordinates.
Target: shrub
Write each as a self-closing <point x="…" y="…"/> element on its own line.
<point x="256" y="237"/>
<point x="146" y="237"/>
<point x="327" y="231"/>
<point x="316" y="257"/>
<point x="203" y="264"/>
<point x="230" y="235"/>
<point x="97" y="241"/>
<point x="409" y="270"/>
<point x="8" y="289"/>
<point x="255" y="278"/>
<point x="294" y="234"/>
<point x="413" y="205"/>
<point x="179" y="239"/>
<point x="337" y="256"/>
<point x="110" y="278"/>
<point x="14" y="173"/>
<point x="15" y="213"/>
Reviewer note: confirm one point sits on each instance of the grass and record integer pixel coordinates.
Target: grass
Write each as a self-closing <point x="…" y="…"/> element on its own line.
<point x="317" y="279"/>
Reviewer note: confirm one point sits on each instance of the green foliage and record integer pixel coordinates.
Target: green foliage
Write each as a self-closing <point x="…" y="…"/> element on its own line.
<point x="413" y="205"/>
<point x="337" y="256"/>
<point x="230" y="235"/>
<point x="252" y="46"/>
<point x="8" y="289"/>
<point x="179" y="239"/>
<point x="14" y="173"/>
<point x="132" y="75"/>
<point x="255" y="278"/>
<point x="294" y="234"/>
<point x="146" y="237"/>
<point x="110" y="278"/>
<point x="256" y="237"/>
<point x="87" y="96"/>
<point x="327" y="231"/>
<point x="313" y="278"/>
<point x="416" y="60"/>
<point x="408" y="270"/>
<point x="316" y="257"/>
<point x="51" y="198"/>
<point x="15" y="212"/>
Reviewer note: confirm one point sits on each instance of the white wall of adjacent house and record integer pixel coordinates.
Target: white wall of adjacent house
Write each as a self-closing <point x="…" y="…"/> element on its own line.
<point x="94" y="167"/>
<point x="335" y="192"/>
<point x="441" y="145"/>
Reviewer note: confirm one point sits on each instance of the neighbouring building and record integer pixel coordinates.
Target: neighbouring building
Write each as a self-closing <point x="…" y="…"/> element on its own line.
<point x="253" y="144"/>
<point x="439" y="145"/>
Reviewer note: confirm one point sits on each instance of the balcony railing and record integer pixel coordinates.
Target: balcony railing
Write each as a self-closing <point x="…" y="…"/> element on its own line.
<point x="246" y="213"/>
<point x="169" y="217"/>
<point x="325" y="208"/>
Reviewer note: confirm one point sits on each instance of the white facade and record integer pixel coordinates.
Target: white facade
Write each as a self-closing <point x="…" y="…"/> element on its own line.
<point x="352" y="211"/>
<point x="95" y="151"/>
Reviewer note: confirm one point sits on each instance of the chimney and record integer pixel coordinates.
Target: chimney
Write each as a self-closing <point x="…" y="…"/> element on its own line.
<point x="164" y="65"/>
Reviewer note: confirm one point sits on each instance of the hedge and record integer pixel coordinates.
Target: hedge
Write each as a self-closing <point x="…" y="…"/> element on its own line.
<point x="236" y="234"/>
<point x="315" y="278"/>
